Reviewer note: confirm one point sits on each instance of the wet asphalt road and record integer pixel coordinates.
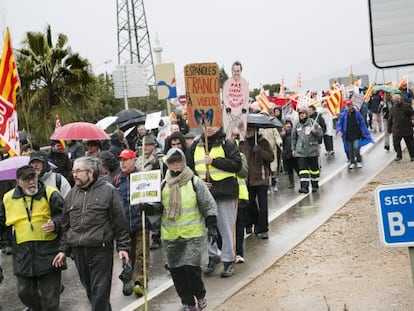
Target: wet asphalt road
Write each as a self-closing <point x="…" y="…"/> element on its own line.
<point x="294" y="216"/>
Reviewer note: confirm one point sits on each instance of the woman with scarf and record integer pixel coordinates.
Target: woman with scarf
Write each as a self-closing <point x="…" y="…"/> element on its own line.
<point x="188" y="208"/>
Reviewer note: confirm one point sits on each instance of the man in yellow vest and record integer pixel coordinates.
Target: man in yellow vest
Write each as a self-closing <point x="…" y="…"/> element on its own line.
<point x="34" y="210"/>
<point x="218" y="165"/>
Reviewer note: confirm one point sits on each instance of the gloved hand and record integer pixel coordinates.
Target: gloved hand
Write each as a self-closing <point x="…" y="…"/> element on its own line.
<point x="212" y="234"/>
<point x="146" y="207"/>
<point x="151" y="209"/>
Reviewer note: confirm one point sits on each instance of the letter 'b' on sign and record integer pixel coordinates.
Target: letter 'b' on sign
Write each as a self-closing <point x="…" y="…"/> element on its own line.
<point x="395" y="211"/>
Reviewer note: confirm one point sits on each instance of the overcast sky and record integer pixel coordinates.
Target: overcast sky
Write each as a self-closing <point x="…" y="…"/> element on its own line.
<point x="272" y="38"/>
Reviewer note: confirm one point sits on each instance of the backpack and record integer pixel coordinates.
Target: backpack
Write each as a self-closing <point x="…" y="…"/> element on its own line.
<point x="58" y="181"/>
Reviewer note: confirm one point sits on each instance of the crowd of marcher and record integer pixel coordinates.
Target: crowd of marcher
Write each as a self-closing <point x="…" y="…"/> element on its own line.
<point x="74" y="201"/>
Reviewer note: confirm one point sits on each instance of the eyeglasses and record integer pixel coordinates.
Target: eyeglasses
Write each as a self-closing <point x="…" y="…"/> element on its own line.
<point x="29" y="179"/>
<point x="79" y="171"/>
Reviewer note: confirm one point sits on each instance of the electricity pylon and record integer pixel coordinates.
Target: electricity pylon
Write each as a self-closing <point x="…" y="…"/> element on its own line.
<point x="134" y="44"/>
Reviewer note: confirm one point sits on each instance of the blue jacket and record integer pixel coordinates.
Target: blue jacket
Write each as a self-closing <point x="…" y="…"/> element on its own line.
<point x="342" y="124"/>
<point x="132" y="212"/>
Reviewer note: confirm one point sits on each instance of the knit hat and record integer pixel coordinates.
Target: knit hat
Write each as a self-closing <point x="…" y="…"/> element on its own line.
<point x="106" y="157"/>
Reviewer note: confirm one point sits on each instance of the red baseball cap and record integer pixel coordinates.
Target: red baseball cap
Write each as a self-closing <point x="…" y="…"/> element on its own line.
<point x="127" y="154"/>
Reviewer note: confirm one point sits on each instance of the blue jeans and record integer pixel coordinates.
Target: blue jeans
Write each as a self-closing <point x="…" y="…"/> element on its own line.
<point x="353" y="151"/>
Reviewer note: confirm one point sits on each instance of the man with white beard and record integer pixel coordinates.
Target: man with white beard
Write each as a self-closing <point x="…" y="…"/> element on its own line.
<point x="34" y="210"/>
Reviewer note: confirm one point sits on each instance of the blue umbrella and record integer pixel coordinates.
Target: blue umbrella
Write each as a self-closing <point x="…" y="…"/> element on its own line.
<point x="387" y="88"/>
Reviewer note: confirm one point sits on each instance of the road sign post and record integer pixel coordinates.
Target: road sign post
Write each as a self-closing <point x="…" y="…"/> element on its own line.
<point x="395" y="211"/>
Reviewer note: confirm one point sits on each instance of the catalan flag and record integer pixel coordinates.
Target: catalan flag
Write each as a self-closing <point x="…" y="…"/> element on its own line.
<point x="333" y="102"/>
<point x="264" y="103"/>
<point x="368" y="93"/>
<point x="9" y="82"/>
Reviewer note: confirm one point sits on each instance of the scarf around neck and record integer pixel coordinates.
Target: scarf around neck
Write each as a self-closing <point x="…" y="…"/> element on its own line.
<point x="175" y="196"/>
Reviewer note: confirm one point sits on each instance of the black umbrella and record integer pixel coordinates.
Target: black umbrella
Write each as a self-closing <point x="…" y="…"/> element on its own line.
<point x="132" y="122"/>
<point x="128" y="114"/>
<point x="261" y="120"/>
<point x="277" y="122"/>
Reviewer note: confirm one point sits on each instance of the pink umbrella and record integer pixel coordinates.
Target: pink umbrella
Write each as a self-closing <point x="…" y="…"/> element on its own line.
<point x="9" y="166"/>
<point x="80" y="130"/>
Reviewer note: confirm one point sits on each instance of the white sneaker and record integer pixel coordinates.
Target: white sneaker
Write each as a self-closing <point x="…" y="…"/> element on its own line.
<point x="275" y="189"/>
<point x="359" y="165"/>
<point x="351" y="166"/>
<point x="239" y="259"/>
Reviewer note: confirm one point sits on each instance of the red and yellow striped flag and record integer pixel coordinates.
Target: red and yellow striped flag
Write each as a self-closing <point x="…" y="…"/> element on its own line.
<point x="264" y="103"/>
<point x="9" y="80"/>
<point x="9" y="83"/>
<point x="368" y="93"/>
<point x="333" y="102"/>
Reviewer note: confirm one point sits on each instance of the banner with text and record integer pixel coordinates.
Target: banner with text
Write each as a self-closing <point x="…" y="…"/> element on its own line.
<point x="145" y="187"/>
<point x="236" y="106"/>
<point x="202" y="87"/>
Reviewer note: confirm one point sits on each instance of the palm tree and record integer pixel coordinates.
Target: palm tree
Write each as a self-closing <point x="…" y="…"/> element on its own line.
<point x="54" y="81"/>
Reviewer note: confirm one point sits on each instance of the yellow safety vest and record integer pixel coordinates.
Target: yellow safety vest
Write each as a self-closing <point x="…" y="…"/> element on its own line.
<point x="243" y="191"/>
<point x="16" y="216"/>
<point x="200" y="163"/>
<point x="190" y="223"/>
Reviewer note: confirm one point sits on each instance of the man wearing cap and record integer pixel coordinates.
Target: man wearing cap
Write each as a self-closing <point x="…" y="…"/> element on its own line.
<point x="305" y="147"/>
<point x="151" y="160"/>
<point x="133" y="215"/>
<point x="354" y="132"/>
<point x="39" y="161"/>
<point x="34" y="210"/>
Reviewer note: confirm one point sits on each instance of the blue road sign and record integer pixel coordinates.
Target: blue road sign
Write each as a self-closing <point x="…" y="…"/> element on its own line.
<point x="395" y="211"/>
